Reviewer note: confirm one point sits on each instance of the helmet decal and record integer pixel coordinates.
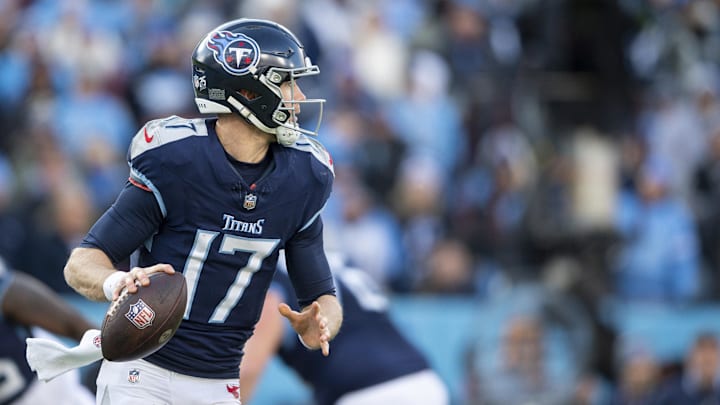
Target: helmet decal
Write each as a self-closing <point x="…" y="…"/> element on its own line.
<point x="199" y="79"/>
<point x="236" y="53"/>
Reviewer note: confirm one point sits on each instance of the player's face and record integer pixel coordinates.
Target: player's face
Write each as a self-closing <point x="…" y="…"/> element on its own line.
<point x="291" y="92"/>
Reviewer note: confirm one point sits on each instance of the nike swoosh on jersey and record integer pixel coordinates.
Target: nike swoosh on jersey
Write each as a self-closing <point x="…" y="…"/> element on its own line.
<point x="148" y="138"/>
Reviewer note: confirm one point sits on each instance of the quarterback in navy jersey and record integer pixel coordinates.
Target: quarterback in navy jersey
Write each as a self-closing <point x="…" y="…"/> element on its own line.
<point x="216" y="199"/>
<point x="393" y="371"/>
<point x="25" y="305"/>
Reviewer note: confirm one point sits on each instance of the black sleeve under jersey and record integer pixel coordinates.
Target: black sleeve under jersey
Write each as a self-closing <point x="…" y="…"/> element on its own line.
<point x="307" y="265"/>
<point x="128" y="223"/>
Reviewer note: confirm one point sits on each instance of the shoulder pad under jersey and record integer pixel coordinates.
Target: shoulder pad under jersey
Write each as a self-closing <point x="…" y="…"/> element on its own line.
<point x="312" y="145"/>
<point x="159" y="132"/>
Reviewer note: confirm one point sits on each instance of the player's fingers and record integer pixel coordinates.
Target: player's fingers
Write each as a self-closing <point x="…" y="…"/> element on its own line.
<point x="160" y="267"/>
<point x="141" y="276"/>
<point x="325" y="347"/>
<point x="166" y="268"/>
<point x="285" y="310"/>
<point x="129" y="283"/>
<point x="315" y="310"/>
<point x="117" y="291"/>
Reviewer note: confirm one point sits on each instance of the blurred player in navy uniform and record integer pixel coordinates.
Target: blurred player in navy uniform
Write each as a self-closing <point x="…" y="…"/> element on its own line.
<point x="372" y="362"/>
<point x="25" y="305"/>
<point x="216" y="199"/>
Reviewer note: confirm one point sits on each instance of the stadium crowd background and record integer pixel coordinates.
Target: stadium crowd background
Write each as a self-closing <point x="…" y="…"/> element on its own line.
<point x="563" y="153"/>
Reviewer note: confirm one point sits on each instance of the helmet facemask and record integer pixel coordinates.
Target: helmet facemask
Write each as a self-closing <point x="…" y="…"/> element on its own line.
<point x="288" y="129"/>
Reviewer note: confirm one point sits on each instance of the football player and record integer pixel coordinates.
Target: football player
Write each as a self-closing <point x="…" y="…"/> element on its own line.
<point x="216" y="199"/>
<point x="372" y="362"/>
<point x="25" y="305"/>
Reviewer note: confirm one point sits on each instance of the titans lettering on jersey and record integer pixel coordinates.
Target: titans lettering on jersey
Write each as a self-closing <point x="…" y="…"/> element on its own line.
<point x="226" y="251"/>
<point x="369" y="349"/>
<point x="15" y="374"/>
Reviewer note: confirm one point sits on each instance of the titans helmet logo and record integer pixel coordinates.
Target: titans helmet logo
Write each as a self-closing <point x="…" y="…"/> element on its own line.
<point x="236" y="53"/>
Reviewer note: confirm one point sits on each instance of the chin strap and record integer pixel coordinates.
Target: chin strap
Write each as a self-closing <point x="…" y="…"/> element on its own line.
<point x="49" y="358"/>
<point x="284" y="135"/>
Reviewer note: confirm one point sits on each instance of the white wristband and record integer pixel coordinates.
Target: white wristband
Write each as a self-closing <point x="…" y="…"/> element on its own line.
<point x="111" y="283"/>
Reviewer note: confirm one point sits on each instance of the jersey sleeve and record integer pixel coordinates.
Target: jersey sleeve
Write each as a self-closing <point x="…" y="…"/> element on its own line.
<point x="153" y="161"/>
<point x="146" y="163"/>
<point x="128" y="223"/>
<point x="307" y="265"/>
<point x="323" y="174"/>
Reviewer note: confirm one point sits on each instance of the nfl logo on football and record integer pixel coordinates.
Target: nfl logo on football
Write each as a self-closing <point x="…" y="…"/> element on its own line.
<point x="140" y="314"/>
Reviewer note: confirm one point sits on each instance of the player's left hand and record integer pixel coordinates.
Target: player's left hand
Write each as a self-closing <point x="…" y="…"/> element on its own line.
<point x="310" y="324"/>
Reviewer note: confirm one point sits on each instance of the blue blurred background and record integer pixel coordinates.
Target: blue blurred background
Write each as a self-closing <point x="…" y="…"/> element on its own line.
<point x="532" y="182"/>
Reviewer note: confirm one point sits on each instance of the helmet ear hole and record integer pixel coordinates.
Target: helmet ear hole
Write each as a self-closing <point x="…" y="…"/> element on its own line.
<point x="249" y="95"/>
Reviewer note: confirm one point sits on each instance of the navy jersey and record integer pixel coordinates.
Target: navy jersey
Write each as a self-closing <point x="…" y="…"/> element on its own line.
<point x="368" y="350"/>
<point x="15" y="374"/>
<point x="224" y="234"/>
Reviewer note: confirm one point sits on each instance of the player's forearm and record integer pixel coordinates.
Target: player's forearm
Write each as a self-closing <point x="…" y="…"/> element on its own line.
<point x="330" y="308"/>
<point x="86" y="270"/>
<point x="30" y="302"/>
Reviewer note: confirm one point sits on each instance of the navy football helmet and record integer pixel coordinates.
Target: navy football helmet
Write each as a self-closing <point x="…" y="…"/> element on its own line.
<point x="253" y="57"/>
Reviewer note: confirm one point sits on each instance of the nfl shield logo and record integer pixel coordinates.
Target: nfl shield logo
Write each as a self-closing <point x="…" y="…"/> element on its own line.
<point x="134" y="376"/>
<point x="140" y="314"/>
<point x="250" y="201"/>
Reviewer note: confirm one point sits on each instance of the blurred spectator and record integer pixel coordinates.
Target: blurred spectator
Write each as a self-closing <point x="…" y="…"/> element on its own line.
<point x="450" y="269"/>
<point x="90" y="114"/>
<point x="674" y="131"/>
<point x="490" y="209"/>
<point x="58" y="226"/>
<point x="374" y="41"/>
<point x="378" y="158"/>
<point x="522" y="373"/>
<point x="427" y="118"/>
<point x="16" y="54"/>
<point x="591" y="390"/>
<point x="93" y="128"/>
<point x="707" y="194"/>
<point x="660" y="256"/>
<point x="160" y="89"/>
<point x="12" y="228"/>
<point x="418" y="202"/>
<point x="639" y="377"/>
<point x="365" y="230"/>
<point x="466" y="46"/>
<point x="700" y="381"/>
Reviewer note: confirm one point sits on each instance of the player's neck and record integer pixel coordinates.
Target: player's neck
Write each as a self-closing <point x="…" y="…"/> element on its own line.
<point x="242" y="141"/>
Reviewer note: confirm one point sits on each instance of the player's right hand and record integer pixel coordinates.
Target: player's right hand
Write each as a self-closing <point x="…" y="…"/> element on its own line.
<point x="139" y="276"/>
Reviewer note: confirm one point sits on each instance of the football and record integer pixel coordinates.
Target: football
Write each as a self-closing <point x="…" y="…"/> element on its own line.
<point x="136" y="325"/>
